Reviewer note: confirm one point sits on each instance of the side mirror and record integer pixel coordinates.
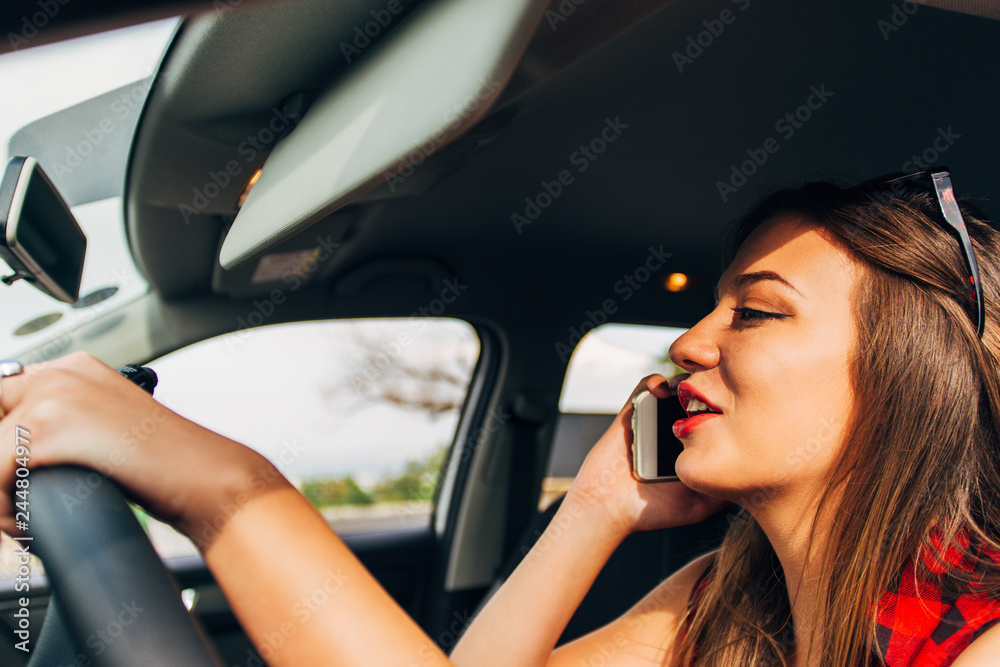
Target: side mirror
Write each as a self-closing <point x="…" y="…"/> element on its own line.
<point x="39" y="237"/>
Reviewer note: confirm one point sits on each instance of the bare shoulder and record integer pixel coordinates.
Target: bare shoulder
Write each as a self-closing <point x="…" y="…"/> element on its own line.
<point x="671" y="597"/>
<point x="645" y="634"/>
<point x="983" y="652"/>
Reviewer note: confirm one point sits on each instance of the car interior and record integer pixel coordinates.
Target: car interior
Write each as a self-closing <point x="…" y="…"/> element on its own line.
<point x="600" y="149"/>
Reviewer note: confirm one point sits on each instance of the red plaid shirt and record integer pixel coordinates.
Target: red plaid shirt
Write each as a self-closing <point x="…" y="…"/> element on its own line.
<point x="918" y="624"/>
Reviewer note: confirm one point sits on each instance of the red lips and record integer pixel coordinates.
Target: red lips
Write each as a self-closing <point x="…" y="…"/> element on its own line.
<point x="683" y="427"/>
<point x="685" y="392"/>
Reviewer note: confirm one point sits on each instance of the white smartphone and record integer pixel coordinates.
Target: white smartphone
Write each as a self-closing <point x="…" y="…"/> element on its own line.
<point x="654" y="447"/>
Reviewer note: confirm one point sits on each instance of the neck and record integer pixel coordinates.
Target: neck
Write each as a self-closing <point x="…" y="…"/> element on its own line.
<point x="787" y="522"/>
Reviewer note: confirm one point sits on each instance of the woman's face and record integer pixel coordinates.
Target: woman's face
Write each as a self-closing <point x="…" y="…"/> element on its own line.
<point x="773" y="359"/>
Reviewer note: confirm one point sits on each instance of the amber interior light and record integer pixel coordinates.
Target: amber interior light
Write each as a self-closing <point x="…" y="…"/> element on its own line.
<point x="247" y="188"/>
<point x="677" y="282"/>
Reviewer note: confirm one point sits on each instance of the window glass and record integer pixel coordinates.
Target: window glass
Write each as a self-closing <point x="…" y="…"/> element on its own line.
<point x="605" y="367"/>
<point x="358" y="414"/>
<point x="73" y="105"/>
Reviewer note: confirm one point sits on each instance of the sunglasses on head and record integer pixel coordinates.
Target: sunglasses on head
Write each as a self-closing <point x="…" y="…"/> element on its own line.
<point x="939" y="180"/>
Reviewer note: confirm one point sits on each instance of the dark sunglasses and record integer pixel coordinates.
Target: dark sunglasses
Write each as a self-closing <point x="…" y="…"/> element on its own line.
<point x="940" y="181"/>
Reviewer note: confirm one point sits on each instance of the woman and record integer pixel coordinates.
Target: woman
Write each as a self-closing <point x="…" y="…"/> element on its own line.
<point x="845" y="400"/>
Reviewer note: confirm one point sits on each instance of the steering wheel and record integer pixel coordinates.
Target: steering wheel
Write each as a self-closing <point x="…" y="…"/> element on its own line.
<point x="117" y="604"/>
<point x="112" y="600"/>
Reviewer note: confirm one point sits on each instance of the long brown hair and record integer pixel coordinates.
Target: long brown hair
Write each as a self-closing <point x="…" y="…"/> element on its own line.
<point x="919" y="466"/>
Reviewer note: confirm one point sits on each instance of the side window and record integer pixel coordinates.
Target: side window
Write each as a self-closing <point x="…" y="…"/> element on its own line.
<point x="358" y="414"/>
<point x="605" y="367"/>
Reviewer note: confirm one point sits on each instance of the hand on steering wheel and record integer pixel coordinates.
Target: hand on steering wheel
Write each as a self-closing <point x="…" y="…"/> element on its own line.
<point x="112" y="600"/>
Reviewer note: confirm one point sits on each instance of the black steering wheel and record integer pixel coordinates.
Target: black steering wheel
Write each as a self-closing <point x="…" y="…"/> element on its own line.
<point x="112" y="599"/>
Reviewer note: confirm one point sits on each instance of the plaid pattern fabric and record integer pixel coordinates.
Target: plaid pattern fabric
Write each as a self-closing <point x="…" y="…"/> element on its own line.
<point x="919" y="625"/>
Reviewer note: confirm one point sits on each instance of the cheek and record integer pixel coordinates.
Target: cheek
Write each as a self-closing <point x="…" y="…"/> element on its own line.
<point x="791" y="403"/>
<point x="819" y="450"/>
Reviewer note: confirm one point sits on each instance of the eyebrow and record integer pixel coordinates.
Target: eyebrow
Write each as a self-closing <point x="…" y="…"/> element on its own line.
<point x="747" y="279"/>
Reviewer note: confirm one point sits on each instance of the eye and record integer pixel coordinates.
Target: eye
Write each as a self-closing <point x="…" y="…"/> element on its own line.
<point x="751" y="315"/>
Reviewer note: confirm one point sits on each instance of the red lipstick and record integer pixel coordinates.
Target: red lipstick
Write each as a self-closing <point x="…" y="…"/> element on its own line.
<point x="686" y="393"/>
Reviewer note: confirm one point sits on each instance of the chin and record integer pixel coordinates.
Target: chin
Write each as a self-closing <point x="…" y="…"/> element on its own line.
<point x="704" y="474"/>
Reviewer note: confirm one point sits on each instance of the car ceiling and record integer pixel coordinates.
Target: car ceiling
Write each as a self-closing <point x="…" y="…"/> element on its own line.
<point x="896" y="77"/>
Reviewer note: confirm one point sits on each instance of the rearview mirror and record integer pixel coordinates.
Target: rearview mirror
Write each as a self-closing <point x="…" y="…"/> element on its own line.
<point x="39" y="237"/>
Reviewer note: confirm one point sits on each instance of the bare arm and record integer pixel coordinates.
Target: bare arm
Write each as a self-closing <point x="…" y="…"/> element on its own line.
<point x="646" y="634"/>
<point x="301" y="595"/>
<point x="983" y="652"/>
<point x="522" y="623"/>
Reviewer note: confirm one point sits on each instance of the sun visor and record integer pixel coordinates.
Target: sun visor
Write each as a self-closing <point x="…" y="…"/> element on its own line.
<point x="424" y="84"/>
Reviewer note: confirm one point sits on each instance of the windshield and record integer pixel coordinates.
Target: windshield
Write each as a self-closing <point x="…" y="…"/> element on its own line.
<point x="73" y="106"/>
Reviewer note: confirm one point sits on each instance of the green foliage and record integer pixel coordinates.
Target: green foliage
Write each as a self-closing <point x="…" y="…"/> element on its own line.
<point x="339" y="491"/>
<point x="418" y="481"/>
<point x="142" y="516"/>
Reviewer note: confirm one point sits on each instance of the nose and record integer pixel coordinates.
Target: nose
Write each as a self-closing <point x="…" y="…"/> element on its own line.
<point x="695" y="349"/>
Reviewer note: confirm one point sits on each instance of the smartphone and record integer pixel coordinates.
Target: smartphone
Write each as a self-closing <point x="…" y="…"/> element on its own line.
<point x="654" y="447"/>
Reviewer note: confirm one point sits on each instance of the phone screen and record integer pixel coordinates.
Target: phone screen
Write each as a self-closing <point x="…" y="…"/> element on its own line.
<point x="668" y="447"/>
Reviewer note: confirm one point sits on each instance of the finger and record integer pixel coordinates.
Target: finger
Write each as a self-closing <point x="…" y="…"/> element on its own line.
<point x="8" y="395"/>
<point x="647" y="383"/>
<point x="657" y="385"/>
<point x="13" y="387"/>
<point x="654" y="384"/>
<point x="677" y="379"/>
